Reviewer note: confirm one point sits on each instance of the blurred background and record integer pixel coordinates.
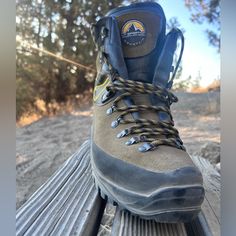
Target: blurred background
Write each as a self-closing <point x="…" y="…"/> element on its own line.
<point x="55" y="54"/>
<point x="55" y="60"/>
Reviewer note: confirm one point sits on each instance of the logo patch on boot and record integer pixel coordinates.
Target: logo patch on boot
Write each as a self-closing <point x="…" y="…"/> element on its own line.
<point x="133" y="33"/>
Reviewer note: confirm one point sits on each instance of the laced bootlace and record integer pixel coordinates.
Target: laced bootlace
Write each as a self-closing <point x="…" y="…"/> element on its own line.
<point x="153" y="133"/>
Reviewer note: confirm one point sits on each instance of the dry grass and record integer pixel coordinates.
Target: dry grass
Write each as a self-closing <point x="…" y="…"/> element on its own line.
<point x="199" y="90"/>
<point x="214" y="86"/>
<point x="73" y="106"/>
<point x="27" y="119"/>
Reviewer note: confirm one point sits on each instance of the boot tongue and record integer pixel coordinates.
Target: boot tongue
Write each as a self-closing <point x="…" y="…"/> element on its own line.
<point x="142" y="31"/>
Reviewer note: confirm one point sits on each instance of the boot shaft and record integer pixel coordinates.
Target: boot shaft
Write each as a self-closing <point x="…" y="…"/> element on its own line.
<point x="134" y="41"/>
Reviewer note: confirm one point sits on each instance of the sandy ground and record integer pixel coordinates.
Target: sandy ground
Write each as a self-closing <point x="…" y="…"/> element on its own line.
<point x="44" y="145"/>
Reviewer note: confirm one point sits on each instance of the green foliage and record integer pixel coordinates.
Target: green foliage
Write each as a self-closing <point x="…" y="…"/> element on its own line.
<point x="63" y="28"/>
<point x="207" y="11"/>
<point x="183" y="84"/>
<point x="174" y="23"/>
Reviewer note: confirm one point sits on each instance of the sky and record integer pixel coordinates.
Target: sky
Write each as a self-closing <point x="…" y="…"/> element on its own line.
<point x="198" y="55"/>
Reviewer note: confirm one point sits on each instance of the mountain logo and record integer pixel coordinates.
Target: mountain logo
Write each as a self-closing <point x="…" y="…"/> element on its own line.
<point x="133" y="32"/>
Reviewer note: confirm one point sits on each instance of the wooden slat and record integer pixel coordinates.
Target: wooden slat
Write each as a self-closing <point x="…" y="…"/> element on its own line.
<point x="211" y="204"/>
<point x="67" y="204"/>
<point x="199" y="226"/>
<point x="126" y="224"/>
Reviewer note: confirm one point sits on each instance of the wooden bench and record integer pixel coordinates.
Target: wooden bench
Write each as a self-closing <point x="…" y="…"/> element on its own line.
<point x="68" y="204"/>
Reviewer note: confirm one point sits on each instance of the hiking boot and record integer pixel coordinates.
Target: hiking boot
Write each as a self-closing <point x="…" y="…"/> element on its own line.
<point x="138" y="159"/>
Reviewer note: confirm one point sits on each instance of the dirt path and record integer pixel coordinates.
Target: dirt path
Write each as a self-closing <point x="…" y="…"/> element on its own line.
<point x="44" y="145"/>
<point x="197" y="117"/>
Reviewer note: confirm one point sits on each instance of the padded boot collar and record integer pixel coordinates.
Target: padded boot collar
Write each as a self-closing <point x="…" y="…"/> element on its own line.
<point x="107" y="38"/>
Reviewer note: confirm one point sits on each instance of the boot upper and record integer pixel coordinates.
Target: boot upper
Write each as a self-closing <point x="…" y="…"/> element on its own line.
<point x="132" y="45"/>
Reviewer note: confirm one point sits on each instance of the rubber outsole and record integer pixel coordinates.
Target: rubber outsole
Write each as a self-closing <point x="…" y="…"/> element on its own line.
<point x="167" y="205"/>
<point x="165" y="217"/>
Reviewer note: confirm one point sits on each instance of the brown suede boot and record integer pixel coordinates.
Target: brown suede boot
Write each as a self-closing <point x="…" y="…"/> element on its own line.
<point x="138" y="159"/>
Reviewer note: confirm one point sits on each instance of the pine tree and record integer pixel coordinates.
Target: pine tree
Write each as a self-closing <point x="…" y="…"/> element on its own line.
<point x="63" y="28"/>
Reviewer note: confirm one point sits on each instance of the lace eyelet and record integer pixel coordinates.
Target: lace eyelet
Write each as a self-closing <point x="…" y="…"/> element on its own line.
<point x="104" y="33"/>
<point x="132" y="141"/>
<point x="110" y="110"/>
<point x="123" y="133"/>
<point x="146" y="147"/>
<point x="115" y="123"/>
<point x="179" y="144"/>
<point x="107" y="95"/>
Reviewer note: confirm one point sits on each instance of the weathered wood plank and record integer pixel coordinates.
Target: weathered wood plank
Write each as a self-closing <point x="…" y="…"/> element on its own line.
<point x="126" y="224"/>
<point x="199" y="226"/>
<point x="66" y="204"/>
<point x="211" y="204"/>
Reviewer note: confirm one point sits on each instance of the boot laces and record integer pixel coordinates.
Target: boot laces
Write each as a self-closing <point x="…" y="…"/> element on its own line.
<point x="152" y="132"/>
